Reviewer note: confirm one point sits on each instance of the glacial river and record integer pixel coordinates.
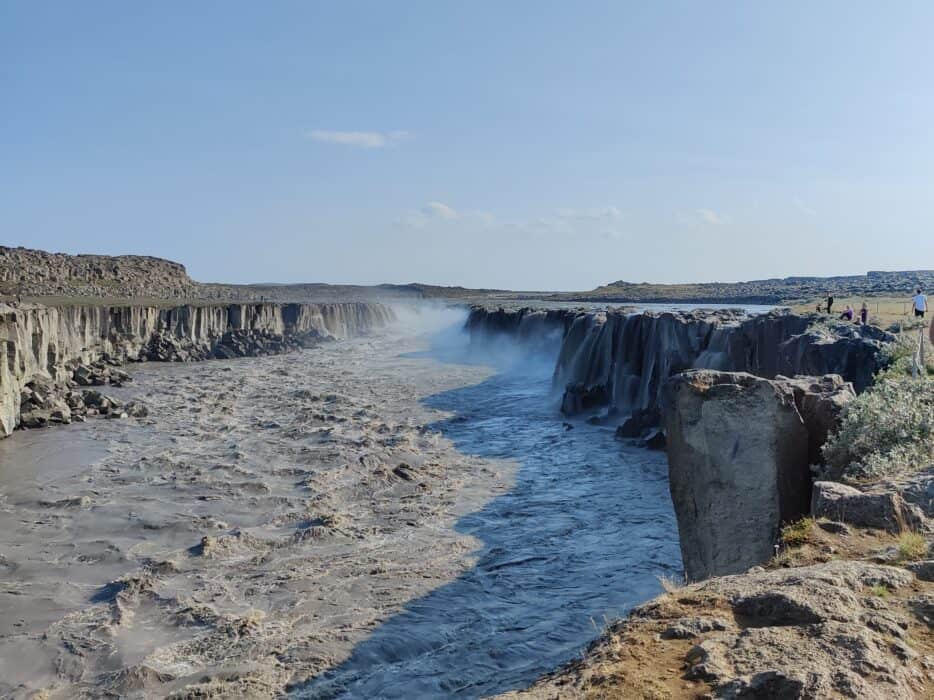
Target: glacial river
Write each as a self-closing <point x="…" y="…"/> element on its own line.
<point x="389" y="516"/>
<point x="583" y="535"/>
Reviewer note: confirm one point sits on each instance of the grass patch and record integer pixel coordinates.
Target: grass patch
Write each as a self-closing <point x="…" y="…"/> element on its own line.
<point x="671" y="584"/>
<point x="880" y="591"/>
<point x="797" y="533"/>
<point x="911" y="546"/>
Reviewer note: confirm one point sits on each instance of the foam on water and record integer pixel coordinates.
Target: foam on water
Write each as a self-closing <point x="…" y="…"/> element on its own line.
<point x="582" y="536"/>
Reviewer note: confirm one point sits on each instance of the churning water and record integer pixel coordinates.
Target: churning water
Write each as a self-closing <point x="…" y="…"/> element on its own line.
<point x="582" y="536"/>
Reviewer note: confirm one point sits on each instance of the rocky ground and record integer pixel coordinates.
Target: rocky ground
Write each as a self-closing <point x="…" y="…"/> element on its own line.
<point x="840" y="613"/>
<point x="260" y="522"/>
<point x="37" y="273"/>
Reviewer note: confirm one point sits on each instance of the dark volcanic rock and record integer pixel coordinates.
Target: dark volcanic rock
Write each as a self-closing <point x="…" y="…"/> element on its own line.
<point x="738" y="467"/>
<point x="619" y="360"/>
<point x="820" y="401"/>
<point x="885" y="510"/>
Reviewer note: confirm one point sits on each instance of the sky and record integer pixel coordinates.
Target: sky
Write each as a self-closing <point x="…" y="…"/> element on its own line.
<point x="522" y="145"/>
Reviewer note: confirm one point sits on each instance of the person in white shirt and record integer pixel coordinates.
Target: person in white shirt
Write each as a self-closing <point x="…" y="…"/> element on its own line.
<point x="920" y="303"/>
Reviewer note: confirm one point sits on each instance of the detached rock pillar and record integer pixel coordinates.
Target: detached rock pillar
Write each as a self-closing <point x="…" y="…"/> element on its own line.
<point x="738" y="467"/>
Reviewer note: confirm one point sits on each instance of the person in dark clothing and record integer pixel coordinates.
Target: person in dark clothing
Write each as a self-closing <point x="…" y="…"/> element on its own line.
<point x="830" y="303"/>
<point x="864" y="314"/>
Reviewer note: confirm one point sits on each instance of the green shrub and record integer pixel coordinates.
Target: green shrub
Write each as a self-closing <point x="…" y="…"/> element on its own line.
<point x="911" y="546"/>
<point x="899" y="356"/>
<point x="798" y="533"/>
<point x="888" y="429"/>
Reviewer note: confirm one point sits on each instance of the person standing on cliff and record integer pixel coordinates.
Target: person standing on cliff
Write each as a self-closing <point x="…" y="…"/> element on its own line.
<point x="920" y="303"/>
<point x="864" y="314"/>
<point x="829" y="303"/>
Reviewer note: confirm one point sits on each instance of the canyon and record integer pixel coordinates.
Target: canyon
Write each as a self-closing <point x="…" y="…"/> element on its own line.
<point x="377" y="496"/>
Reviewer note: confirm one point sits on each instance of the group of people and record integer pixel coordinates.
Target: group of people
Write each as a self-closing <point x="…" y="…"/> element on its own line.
<point x="848" y="313"/>
<point x="919" y="304"/>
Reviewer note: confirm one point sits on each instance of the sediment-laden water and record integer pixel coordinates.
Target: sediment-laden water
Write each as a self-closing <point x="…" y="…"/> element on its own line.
<point x="583" y="534"/>
<point x="383" y="519"/>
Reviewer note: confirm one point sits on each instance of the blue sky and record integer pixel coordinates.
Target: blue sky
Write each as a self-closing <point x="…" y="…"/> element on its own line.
<point x="532" y="145"/>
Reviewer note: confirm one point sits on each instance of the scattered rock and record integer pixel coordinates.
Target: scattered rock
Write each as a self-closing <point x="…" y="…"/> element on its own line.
<point x="136" y="409"/>
<point x="638" y="422"/>
<point x="689" y="627"/>
<point x="834" y="527"/>
<point x="404" y="472"/>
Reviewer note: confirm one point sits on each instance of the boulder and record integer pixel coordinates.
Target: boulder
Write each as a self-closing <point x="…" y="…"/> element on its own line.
<point x="638" y="422"/>
<point x="738" y="467"/>
<point x="924" y="570"/>
<point x="884" y="510"/>
<point x="916" y="488"/>
<point x="136" y="409"/>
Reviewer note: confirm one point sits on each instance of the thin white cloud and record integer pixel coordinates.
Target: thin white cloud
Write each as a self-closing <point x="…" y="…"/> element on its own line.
<point x="709" y="216"/>
<point x="593" y="214"/>
<point x="600" y="223"/>
<point x="359" y="139"/>
<point x="438" y="210"/>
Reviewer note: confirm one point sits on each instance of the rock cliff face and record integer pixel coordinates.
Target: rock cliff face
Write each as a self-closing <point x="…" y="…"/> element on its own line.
<point x="532" y="328"/>
<point x="44" y="341"/>
<point x="619" y="360"/>
<point x="738" y="456"/>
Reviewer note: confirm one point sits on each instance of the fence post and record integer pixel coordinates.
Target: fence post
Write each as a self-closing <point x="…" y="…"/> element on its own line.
<point x="921" y="350"/>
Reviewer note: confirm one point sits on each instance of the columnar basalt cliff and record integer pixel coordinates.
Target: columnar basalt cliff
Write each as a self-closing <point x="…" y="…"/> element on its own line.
<point x="619" y="360"/>
<point x="46" y="341"/>
<point x="739" y="451"/>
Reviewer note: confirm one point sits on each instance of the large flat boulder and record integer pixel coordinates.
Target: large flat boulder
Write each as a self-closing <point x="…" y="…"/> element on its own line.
<point x="883" y="509"/>
<point x="738" y="467"/>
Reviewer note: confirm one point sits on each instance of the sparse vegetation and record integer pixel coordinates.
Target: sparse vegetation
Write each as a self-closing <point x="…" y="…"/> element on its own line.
<point x="797" y="533"/>
<point x="887" y="430"/>
<point x="879" y="591"/>
<point x="911" y="546"/>
<point x="671" y="584"/>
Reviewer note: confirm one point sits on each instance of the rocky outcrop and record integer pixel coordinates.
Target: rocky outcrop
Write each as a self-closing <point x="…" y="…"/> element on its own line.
<point x="836" y="629"/>
<point x="738" y="467"/>
<point x="618" y="361"/>
<point x="820" y="401"/>
<point x="739" y="454"/>
<point x="38" y="273"/>
<point x="52" y="342"/>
